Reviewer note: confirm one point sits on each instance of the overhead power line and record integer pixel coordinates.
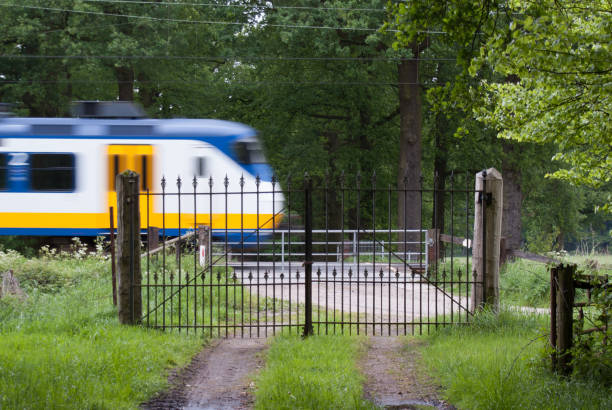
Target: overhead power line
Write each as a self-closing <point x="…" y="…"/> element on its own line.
<point x="212" y="22"/>
<point x="241" y="83"/>
<point x="187" y="21"/>
<point x="216" y="58"/>
<point x="263" y="6"/>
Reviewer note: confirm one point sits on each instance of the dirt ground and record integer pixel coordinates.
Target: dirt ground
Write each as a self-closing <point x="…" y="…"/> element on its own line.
<point x="394" y="379"/>
<point x="220" y="377"/>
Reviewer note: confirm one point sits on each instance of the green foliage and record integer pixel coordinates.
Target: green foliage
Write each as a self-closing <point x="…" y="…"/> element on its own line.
<point x="591" y="354"/>
<point x="113" y="49"/>
<point x="62" y="347"/>
<point x="319" y="372"/>
<point x="560" y="56"/>
<point x="24" y="245"/>
<point x="496" y="363"/>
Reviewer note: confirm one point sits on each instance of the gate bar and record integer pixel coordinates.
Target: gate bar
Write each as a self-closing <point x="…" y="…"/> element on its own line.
<point x="308" y="329"/>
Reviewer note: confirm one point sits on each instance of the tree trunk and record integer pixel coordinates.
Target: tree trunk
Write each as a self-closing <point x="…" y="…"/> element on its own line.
<point x="513" y="197"/>
<point x="440" y="168"/>
<point x="409" y="171"/>
<point x="125" y="81"/>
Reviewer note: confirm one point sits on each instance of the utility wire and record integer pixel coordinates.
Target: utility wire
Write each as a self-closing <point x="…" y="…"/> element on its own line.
<point x="263" y="6"/>
<point x="226" y="23"/>
<point x="241" y="83"/>
<point x="150" y="18"/>
<point x="216" y="58"/>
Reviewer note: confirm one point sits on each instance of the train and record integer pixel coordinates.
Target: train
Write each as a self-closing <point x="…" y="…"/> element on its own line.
<point x="58" y="175"/>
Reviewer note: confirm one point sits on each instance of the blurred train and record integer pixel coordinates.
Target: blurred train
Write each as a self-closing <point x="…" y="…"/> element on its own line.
<point x="57" y="175"/>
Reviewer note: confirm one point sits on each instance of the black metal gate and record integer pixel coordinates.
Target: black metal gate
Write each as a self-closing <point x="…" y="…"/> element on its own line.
<point x="316" y="256"/>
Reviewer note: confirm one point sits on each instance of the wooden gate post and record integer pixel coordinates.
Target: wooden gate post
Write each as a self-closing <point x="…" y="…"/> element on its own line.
<point x="128" y="249"/>
<point x="487" y="238"/>
<point x="565" y="316"/>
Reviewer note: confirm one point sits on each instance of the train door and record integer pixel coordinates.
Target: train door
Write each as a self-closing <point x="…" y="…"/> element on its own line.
<point x="138" y="158"/>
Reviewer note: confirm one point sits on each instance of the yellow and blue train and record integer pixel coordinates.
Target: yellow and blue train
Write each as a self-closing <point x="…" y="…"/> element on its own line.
<point x="57" y="175"/>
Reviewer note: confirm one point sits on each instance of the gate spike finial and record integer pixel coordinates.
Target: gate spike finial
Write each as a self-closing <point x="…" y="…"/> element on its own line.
<point x="163" y="183"/>
<point x="194" y="182"/>
<point x="210" y="181"/>
<point x="179" y="182"/>
<point x="273" y="180"/>
<point x="242" y="181"/>
<point x="257" y="180"/>
<point x="225" y="181"/>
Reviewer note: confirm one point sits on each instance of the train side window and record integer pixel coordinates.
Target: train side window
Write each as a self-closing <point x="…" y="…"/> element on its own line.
<point x="52" y="172"/>
<point x="146" y="170"/>
<point x="116" y="164"/>
<point x="3" y="172"/>
<point x="200" y="167"/>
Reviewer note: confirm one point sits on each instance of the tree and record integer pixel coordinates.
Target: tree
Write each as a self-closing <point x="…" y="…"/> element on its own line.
<point x="323" y="92"/>
<point x="160" y="54"/>
<point x="559" y="52"/>
<point x="457" y="28"/>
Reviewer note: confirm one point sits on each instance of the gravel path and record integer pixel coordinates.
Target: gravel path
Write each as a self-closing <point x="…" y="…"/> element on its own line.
<point x="220" y="377"/>
<point x="394" y="379"/>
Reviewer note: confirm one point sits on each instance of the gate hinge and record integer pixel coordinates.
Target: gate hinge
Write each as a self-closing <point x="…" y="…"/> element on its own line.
<point x="488" y="197"/>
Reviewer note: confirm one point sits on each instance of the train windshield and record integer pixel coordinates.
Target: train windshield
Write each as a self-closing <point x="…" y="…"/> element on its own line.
<point x="249" y="152"/>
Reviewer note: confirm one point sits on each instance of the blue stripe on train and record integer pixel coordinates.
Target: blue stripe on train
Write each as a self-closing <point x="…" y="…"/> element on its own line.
<point x="248" y="236"/>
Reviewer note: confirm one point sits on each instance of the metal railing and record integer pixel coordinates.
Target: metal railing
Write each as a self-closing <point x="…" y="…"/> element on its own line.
<point x="278" y="249"/>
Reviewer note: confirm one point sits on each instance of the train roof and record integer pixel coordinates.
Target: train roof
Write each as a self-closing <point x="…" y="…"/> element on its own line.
<point x="122" y="128"/>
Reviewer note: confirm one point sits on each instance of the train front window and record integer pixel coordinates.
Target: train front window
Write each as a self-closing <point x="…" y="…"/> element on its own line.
<point x="3" y="171"/>
<point x="52" y="172"/>
<point x="249" y="152"/>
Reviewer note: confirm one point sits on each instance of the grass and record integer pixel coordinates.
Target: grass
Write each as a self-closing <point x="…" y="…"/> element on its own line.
<point x="63" y="347"/>
<point x="525" y="283"/>
<point x="499" y="363"/>
<point x="319" y="372"/>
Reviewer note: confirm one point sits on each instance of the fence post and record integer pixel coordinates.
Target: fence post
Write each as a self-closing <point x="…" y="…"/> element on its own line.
<point x="153" y="237"/>
<point x="433" y="245"/>
<point x="565" y="316"/>
<point x="308" y="329"/>
<point x="113" y="254"/>
<point x="203" y="241"/>
<point x="128" y="252"/>
<point x="487" y="238"/>
<point x="553" y="315"/>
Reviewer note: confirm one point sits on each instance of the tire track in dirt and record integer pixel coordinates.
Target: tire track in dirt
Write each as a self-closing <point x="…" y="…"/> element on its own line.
<point x="394" y="379"/>
<point x="219" y="378"/>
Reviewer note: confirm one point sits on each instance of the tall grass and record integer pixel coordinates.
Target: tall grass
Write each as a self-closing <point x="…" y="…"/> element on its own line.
<point x="499" y="363"/>
<point x="62" y="347"/>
